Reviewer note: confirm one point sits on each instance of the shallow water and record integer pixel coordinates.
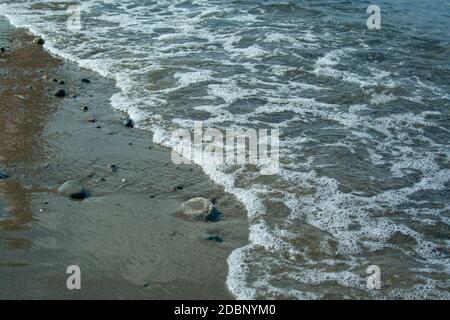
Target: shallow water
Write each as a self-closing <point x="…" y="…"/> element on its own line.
<point x="364" y="117"/>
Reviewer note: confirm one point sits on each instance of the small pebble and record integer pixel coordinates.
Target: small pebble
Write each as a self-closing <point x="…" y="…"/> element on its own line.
<point x="215" y="239"/>
<point x="39" y="41"/>
<point x="60" y="93"/>
<point x="3" y="176"/>
<point x="128" y="123"/>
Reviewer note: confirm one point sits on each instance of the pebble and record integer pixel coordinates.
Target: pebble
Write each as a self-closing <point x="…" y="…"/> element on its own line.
<point x="85" y="80"/>
<point x="128" y="123"/>
<point x="85" y="108"/>
<point x="113" y="167"/>
<point x="60" y="93"/>
<point x="2" y="49"/>
<point x="39" y="41"/>
<point x="218" y="239"/>
<point x="91" y="119"/>
<point x="3" y="176"/>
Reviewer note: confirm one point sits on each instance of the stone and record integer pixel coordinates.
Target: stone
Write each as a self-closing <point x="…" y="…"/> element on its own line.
<point x="39" y="41"/>
<point x="60" y="93"/>
<point x="113" y="167"/>
<point x="197" y="208"/>
<point x="2" y="49"/>
<point x="3" y="176"/>
<point x="73" y="189"/>
<point x="218" y="239"/>
<point x="62" y="82"/>
<point x="128" y="123"/>
<point x="85" y="108"/>
<point x="85" y="80"/>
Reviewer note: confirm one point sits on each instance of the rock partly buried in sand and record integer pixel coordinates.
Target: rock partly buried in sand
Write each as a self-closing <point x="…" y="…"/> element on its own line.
<point x="60" y="93"/>
<point x="85" y="80"/>
<point x="201" y="209"/>
<point x="198" y="208"/>
<point x="3" y="176"/>
<point x="128" y="123"/>
<point x="73" y="189"/>
<point x="39" y="41"/>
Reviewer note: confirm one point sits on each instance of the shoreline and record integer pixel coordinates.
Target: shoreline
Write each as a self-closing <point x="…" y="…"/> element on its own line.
<point x="127" y="237"/>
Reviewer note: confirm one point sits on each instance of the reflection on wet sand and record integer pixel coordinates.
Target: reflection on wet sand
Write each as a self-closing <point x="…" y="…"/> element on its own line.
<point x="24" y="108"/>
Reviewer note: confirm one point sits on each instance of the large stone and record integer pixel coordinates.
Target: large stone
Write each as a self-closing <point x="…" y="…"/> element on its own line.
<point x="197" y="208"/>
<point x="73" y="189"/>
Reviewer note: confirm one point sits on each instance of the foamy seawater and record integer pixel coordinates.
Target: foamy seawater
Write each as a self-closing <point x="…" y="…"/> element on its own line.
<point x="364" y="116"/>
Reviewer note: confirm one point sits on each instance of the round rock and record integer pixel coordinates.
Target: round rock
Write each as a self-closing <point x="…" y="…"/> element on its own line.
<point x="128" y="123"/>
<point x="39" y="41"/>
<point x="198" y="208"/>
<point x="73" y="189"/>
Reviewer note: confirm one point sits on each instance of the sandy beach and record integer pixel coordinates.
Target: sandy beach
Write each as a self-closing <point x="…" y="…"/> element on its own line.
<point x="127" y="237"/>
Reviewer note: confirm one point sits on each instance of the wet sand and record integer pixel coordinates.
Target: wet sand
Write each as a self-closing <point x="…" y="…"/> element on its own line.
<point x="127" y="237"/>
